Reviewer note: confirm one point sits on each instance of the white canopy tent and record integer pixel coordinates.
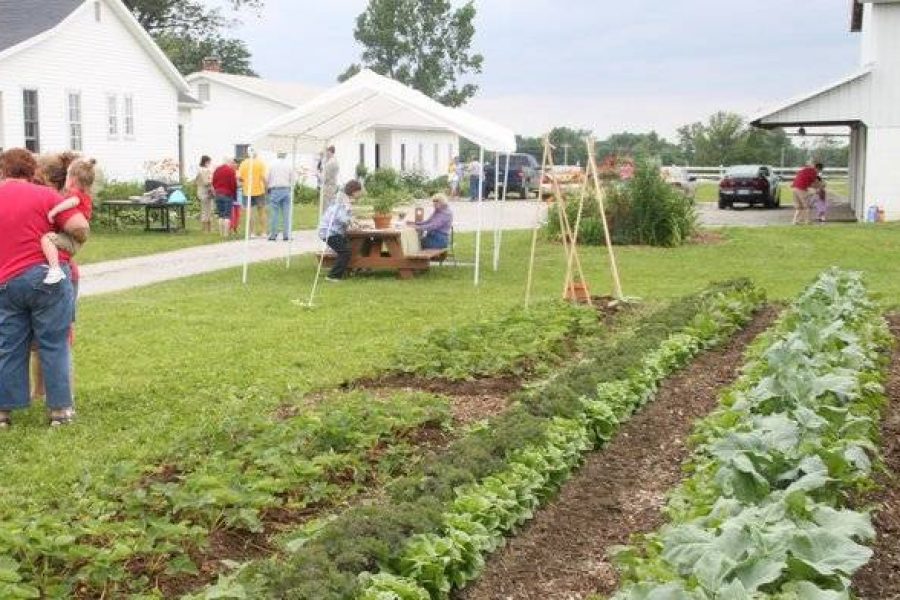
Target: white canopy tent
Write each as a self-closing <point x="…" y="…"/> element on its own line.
<point x="370" y="100"/>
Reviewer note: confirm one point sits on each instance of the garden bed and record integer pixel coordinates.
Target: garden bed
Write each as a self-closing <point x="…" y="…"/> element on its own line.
<point x="880" y="578"/>
<point x="619" y="491"/>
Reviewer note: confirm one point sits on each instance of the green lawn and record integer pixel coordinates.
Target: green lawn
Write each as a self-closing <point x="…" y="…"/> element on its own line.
<point x="133" y="241"/>
<point x="172" y="362"/>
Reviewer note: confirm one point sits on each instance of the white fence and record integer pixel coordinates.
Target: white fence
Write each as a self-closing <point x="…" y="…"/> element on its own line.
<point x="786" y="173"/>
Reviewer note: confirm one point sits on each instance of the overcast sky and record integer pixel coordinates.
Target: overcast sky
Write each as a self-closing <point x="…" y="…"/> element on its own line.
<point x="605" y="65"/>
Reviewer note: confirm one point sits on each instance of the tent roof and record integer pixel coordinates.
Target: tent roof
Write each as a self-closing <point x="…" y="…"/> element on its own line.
<point x="369" y="100"/>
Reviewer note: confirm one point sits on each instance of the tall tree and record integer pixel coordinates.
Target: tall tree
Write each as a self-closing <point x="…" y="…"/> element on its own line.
<point x="188" y="31"/>
<point x="425" y="44"/>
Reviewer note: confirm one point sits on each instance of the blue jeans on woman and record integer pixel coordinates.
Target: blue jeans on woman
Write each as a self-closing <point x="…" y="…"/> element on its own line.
<point x="279" y="211"/>
<point x="435" y="240"/>
<point x="31" y="309"/>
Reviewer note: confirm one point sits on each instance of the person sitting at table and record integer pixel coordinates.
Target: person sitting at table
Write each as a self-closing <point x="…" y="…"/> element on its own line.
<point x="436" y="228"/>
<point x="333" y="228"/>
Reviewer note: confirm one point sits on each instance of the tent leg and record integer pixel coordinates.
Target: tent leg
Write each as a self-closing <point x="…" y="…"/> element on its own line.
<point x="289" y="221"/>
<point x="249" y="212"/>
<point x="480" y="216"/>
<point x="498" y="231"/>
<point x="537" y="224"/>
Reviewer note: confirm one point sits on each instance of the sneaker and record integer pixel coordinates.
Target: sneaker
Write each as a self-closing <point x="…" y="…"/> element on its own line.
<point x="332" y="280"/>
<point x="286" y="239"/>
<point x="54" y="275"/>
<point x="273" y="238"/>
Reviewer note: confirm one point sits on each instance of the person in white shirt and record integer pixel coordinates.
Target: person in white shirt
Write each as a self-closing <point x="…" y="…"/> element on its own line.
<point x="280" y="180"/>
<point x="474" y="179"/>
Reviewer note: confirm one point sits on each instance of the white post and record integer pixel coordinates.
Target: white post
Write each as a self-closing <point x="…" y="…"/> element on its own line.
<point x="480" y="216"/>
<point x="498" y="231"/>
<point x="289" y="224"/>
<point x="322" y="180"/>
<point x="249" y="210"/>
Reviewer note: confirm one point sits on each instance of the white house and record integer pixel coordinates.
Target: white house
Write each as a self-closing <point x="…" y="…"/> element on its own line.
<point x="868" y="103"/>
<point x="234" y="106"/>
<point x="84" y="75"/>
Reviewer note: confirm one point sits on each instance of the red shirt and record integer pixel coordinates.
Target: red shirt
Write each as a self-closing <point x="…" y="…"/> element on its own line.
<point x="85" y="202"/>
<point x="23" y="222"/>
<point x="805" y="178"/>
<point x="224" y="181"/>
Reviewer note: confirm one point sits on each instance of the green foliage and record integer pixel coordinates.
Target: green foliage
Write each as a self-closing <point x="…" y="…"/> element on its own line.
<point x="305" y="194"/>
<point x="763" y="510"/>
<point x="498" y="346"/>
<point x="423" y="44"/>
<point x="118" y="190"/>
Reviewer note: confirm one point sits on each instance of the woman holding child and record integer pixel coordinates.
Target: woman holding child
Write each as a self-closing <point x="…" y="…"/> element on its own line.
<point x="31" y="308"/>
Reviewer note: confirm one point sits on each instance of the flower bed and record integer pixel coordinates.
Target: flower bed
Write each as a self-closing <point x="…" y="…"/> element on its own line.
<point x="764" y="512"/>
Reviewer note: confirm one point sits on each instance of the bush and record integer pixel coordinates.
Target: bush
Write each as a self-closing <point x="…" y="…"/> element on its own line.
<point x="119" y="190"/>
<point x="305" y="194"/>
<point x="645" y="210"/>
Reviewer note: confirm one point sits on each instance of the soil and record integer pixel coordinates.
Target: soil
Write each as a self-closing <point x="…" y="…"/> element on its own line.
<point x="618" y="492"/>
<point x="880" y="578"/>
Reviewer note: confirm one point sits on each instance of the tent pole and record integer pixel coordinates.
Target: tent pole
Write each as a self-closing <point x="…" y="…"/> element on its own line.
<point x="289" y="225"/>
<point x="496" y="206"/>
<point x="480" y="216"/>
<point x="322" y="180"/>
<point x="498" y="232"/>
<point x="249" y="212"/>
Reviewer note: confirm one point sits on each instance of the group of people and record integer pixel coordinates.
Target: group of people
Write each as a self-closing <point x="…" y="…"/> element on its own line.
<point x="45" y="219"/>
<point x="265" y="189"/>
<point x="457" y="172"/>
<point x="809" y="191"/>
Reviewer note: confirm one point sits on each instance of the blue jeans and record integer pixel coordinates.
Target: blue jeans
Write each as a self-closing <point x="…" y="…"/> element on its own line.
<point x="29" y="308"/>
<point x="435" y="240"/>
<point x="473" y="187"/>
<point x="280" y="209"/>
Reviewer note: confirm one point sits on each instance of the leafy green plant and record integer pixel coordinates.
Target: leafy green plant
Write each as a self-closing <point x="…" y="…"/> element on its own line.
<point x="762" y="513"/>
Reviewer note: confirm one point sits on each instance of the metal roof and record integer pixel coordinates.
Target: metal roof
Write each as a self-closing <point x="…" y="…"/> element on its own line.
<point x="21" y="20"/>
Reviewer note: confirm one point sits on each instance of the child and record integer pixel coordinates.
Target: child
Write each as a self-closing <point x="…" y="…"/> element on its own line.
<point x="79" y="180"/>
<point x="820" y="201"/>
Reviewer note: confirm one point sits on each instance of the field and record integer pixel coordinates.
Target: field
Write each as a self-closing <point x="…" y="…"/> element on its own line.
<point x="224" y="423"/>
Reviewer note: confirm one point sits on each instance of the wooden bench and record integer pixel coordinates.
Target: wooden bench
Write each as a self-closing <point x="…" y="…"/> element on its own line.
<point x="380" y="250"/>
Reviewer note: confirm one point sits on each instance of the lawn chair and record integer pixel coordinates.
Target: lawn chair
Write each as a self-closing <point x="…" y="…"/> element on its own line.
<point x="451" y="251"/>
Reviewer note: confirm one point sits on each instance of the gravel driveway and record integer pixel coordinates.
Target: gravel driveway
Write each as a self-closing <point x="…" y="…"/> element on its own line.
<point x="712" y="216"/>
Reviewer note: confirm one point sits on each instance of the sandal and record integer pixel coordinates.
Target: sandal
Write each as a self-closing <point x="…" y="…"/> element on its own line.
<point x="65" y="418"/>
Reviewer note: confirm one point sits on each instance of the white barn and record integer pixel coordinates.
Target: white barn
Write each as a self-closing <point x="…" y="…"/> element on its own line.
<point x="83" y="75"/>
<point x="868" y="103"/>
<point x="235" y="106"/>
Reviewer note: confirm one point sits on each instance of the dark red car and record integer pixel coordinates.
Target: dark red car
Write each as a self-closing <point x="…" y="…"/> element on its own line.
<point x="750" y="184"/>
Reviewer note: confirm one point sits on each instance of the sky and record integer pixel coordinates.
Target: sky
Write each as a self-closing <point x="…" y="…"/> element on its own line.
<point x="604" y="65"/>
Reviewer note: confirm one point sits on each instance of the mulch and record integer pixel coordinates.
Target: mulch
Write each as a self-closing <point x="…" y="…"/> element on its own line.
<point x="618" y="492"/>
<point x="880" y="578"/>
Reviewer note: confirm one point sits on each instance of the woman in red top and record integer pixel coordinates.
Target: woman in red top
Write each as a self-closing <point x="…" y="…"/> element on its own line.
<point x="805" y="180"/>
<point x="29" y="308"/>
<point x="224" y="184"/>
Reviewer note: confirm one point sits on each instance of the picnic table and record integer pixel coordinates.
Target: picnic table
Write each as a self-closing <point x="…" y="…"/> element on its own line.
<point x="387" y="250"/>
<point x="112" y="208"/>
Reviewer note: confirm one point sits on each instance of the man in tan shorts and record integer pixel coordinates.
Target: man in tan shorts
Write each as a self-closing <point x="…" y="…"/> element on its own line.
<point x="805" y="184"/>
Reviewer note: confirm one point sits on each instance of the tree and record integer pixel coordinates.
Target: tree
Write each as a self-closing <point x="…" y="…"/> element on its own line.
<point x="188" y="31"/>
<point x="425" y="44"/>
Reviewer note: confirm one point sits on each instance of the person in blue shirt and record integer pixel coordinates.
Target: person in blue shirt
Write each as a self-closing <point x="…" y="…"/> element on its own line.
<point x="333" y="228"/>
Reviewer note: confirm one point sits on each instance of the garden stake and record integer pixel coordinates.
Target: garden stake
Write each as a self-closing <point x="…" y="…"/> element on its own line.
<point x="592" y="168"/>
<point x="315" y="284"/>
<point x="537" y="224"/>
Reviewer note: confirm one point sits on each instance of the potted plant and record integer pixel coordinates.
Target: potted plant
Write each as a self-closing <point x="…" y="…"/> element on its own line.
<point x="383" y="204"/>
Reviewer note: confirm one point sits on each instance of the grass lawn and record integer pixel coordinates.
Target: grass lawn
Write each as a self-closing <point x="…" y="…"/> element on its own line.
<point x="708" y="191"/>
<point x="110" y="245"/>
<point x="162" y="365"/>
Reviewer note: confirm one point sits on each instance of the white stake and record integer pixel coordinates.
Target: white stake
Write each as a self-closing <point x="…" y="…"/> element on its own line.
<point x="249" y="197"/>
<point x="480" y="216"/>
<point x="289" y="225"/>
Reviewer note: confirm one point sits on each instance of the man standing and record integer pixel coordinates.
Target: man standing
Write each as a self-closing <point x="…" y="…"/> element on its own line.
<point x="331" y="170"/>
<point x="224" y="185"/>
<point x="475" y="173"/>
<point x="253" y="173"/>
<point x="805" y="183"/>
<point x="280" y="180"/>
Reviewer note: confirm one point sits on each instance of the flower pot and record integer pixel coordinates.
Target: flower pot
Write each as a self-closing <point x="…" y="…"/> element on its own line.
<point x="382" y="221"/>
<point x="578" y="292"/>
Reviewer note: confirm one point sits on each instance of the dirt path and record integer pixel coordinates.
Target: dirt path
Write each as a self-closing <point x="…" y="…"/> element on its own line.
<point x="561" y="554"/>
<point x="880" y="579"/>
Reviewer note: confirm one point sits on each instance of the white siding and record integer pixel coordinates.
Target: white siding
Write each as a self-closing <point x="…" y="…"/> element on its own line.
<point x="427" y="139"/>
<point x="882" y="177"/>
<point x="885" y="108"/>
<point x="95" y="59"/>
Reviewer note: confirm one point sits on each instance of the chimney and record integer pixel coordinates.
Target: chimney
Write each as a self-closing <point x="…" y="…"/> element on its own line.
<point x="211" y="63"/>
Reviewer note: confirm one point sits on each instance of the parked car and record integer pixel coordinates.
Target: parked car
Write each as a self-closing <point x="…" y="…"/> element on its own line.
<point x="680" y="179"/>
<point x="752" y="184"/>
<point x="524" y="172"/>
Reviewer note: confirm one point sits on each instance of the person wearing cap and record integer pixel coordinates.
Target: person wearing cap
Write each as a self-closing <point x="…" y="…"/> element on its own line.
<point x="436" y="229"/>
<point x="331" y="171"/>
<point x="280" y="180"/>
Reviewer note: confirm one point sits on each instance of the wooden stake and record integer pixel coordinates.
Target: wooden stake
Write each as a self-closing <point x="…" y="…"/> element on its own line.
<point x="592" y="167"/>
<point x="534" y="231"/>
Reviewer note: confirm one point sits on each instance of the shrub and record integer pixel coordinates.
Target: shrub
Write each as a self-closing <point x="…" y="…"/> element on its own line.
<point x="119" y="190"/>
<point x="644" y="210"/>
<point x="305" y="194"/>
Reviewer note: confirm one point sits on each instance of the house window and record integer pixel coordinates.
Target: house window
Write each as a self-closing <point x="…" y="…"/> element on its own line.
<point x="73" y="108"/>
<point x="437" y="159"/>
<point x="97" y="13"/>
<point x="32" y="122"/>
<point x="241" y="151"/>
<point x="377" y="156"/>
<point x="128" y="122"/>
<point x="402" y="157"/>
<point x="421" y="164"/>
<point x="112" y="116"/>
<point x="362" y="154"/>
<point x="203" y="92"/>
